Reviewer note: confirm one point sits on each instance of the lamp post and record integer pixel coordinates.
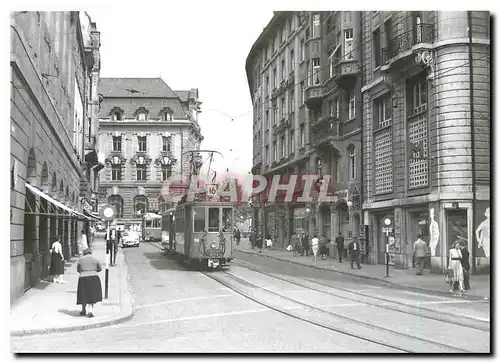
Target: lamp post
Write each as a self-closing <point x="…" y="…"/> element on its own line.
<point x="387" y="225"/>
<point x="107" y="214"/>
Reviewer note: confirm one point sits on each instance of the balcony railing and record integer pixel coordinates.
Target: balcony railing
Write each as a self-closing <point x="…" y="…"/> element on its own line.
<point x="423" y="33"/>
<point x="326" y="127"/>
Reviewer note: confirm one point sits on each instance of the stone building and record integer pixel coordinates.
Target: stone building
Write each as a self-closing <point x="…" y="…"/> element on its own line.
<point x="54" y="62"/>
<point x="146" y="129"/>
<point x="419" y="158"/>
<point x="304" y="79"/>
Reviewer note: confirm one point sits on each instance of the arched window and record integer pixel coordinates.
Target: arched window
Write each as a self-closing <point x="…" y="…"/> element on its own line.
<point x="352" y="162"/>
<point x="161" y="204"/>
<point x="31" y="174"/>
<point x="45" y="178"/>
<point x="117" y="201"/>
<point x="140" y="206"/>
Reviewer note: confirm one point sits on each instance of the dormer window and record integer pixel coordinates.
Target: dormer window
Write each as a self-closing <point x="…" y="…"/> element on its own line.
<point x="116" y="114"/>
<point x="141" y="116"/>
<point x="166" y="114"/>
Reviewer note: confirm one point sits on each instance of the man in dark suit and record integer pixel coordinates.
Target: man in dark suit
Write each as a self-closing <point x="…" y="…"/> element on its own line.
<point x="354" y="252"/>
<point x="465" y="265"/>
<point x="340" y="245"/>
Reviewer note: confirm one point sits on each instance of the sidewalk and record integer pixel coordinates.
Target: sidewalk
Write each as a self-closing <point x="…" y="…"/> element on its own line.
<point x="401" y="278"/>
<point x="48" y="307"/>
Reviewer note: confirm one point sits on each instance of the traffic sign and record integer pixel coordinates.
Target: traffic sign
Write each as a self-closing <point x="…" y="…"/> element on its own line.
<point x="108" y="212"/>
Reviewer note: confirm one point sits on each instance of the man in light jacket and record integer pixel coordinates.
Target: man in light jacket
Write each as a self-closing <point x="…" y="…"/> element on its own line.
<point x="419" y="253"/>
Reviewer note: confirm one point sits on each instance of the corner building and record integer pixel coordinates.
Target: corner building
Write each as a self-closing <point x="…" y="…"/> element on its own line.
<point x="419" y="158"/>
<point x="54" y="162"/>
<point x="304" y="79"/>
<point x="145" y="130"/>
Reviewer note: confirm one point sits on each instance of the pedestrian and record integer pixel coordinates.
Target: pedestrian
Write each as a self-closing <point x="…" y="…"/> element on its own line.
<point x="354" y="252"/>
<point x="296" y="245"/>
<point x="323" y="250"/>
<point x="89" y="290"/>
<point x="83" y="245"/>
<point x="465" y="265"/>
<point x="253" y="238"/>
<point x="454" y="264"/>
<point x="420" y="253"/>
<point x="315" y="245"/>
<point x="92" y="235"/>
<point x="237" y="236"/>
<point x="339" y="241"/>
<point x="305" y="244"/>
<point x="260" y="240"/>
<point x="57" y="261"/>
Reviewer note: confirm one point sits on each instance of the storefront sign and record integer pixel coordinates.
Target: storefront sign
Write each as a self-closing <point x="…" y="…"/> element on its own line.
<point x="332" y="226"/>
<point x="342" y="194"/>
<point x="392" y="250"/>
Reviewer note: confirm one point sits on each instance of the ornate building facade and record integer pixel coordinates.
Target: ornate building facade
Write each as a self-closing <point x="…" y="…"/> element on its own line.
<point x="427" y="161"/>
<point x="304" y="78"/>
<point x="54" y="163"/>
<point x="146" y="129"/>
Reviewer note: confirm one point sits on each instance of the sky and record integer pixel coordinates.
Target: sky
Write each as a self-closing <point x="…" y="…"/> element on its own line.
<point x="203" y="49"/>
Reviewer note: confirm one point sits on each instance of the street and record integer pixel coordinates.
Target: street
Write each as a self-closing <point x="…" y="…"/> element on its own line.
<point x="261" y="305"/>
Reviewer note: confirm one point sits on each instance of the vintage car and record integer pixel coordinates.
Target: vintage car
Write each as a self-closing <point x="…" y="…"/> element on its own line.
<point x="130" y="238"/>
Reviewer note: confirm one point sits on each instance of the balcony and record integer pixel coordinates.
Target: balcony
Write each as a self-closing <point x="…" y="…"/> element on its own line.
<point x="347" y="72"/>
<point x="403" y="46"/>
<point x="324" y="130"/>
<point x="313" y="96"/>
<point x="291" y="79"/>
<point x="284" y="124"/>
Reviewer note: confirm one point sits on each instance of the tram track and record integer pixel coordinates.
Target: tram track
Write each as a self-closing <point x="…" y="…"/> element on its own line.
<point x="387" y="304"/>
<point x="389" y="338"/>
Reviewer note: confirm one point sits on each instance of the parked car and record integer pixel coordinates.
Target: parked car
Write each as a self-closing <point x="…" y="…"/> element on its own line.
<point x="130" y="238"/>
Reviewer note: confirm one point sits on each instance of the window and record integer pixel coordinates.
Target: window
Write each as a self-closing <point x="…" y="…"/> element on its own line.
<point x="267" y="154"/>
<point x="117" y="116"/>
<point x="283" y="68"/>
<point x="376" y="47"/>
<point x="315" y="70"/>
<point x="141" y="172"/>
<point x="336" y="105"/>
<point x="383" y="161"/>
<point x="283" y="145"/>
<point x="331" y="62"/>
<point x="383" y="116"/>
<point x="283" y="108"/>
<point x="331" y="110"/>
<point x="141" y="116"/>
<point x="417" y="26"/>
<point x="291" y="101"/>
<point x="308" y="34"/>
<point x="140" y="206"/>
<point x="166" y="171"/>
<point x="302" y="50"/>
<point x="199" y="219"/>
<point x="227" y="219"/>
<point x="117" y="202"/>
<point x="167" y="143"/>
<point x="302" y="136"/>
<point x="116" y="172"/>
<point x="352" y="162"/>
<point x="267" y="119"/>
<point x="275" y="151"/>
<point x="418" y="96"/>
<point x="301" y="99"/>
<point x="167" y="116"/>
<point x="275" y="113"/>
<point x="348" y="43"/>
<point x="213" y="219"/>
<point x="117" y="143"/>
<point x="352" y="105"/>
<point x="275" y="77"/>
<point x="291" y="142"/>
<point x="142" y="143"/>
<point x="388" y="36"/>
<point x="282" y="38"/>
<point x="268" y="86"/>
<point x="316" y="30"/>
<point x="292" y="60"/>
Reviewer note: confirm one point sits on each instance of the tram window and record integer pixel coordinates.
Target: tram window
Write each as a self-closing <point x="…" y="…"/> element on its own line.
<point x="148" y="224"/>
<point x="227" y="219"/>
<point x="179" y="222"/>
<point x="213" y="219"/>
<point x="199" y="220"/>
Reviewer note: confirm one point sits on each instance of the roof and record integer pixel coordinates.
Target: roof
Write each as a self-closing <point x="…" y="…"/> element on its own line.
<point x="135" y="87"/>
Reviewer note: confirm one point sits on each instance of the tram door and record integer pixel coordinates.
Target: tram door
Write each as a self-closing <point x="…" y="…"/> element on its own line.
<point x="188" y="227"/>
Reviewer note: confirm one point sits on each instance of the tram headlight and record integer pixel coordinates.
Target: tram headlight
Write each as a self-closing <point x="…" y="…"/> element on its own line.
<point x="213" y="245"/>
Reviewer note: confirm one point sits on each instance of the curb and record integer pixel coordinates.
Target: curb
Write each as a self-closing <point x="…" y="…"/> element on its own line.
<point x="395" y="284"/>
<point x="126" y="311"/>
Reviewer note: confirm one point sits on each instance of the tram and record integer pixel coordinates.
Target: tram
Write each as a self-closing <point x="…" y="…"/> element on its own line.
<point x="168" y="230"/>
<point x="151" y="227"/>
<point x="202" y="232"/>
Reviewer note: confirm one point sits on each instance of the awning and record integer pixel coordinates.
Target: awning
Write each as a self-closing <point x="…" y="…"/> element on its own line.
<point x="92" y="216"/>
<point x="55" y="203"/>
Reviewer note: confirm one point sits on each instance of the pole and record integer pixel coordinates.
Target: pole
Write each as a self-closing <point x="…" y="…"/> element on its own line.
<point x="472" y="142"/>
<point x="106" y="276"/>
<point x="387" y="253"/>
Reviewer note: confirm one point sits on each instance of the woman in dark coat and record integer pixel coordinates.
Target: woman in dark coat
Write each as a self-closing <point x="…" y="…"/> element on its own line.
<point x="89" y="289"/>
<point x="465" y="266"/>
<point x="259" y="241"/>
